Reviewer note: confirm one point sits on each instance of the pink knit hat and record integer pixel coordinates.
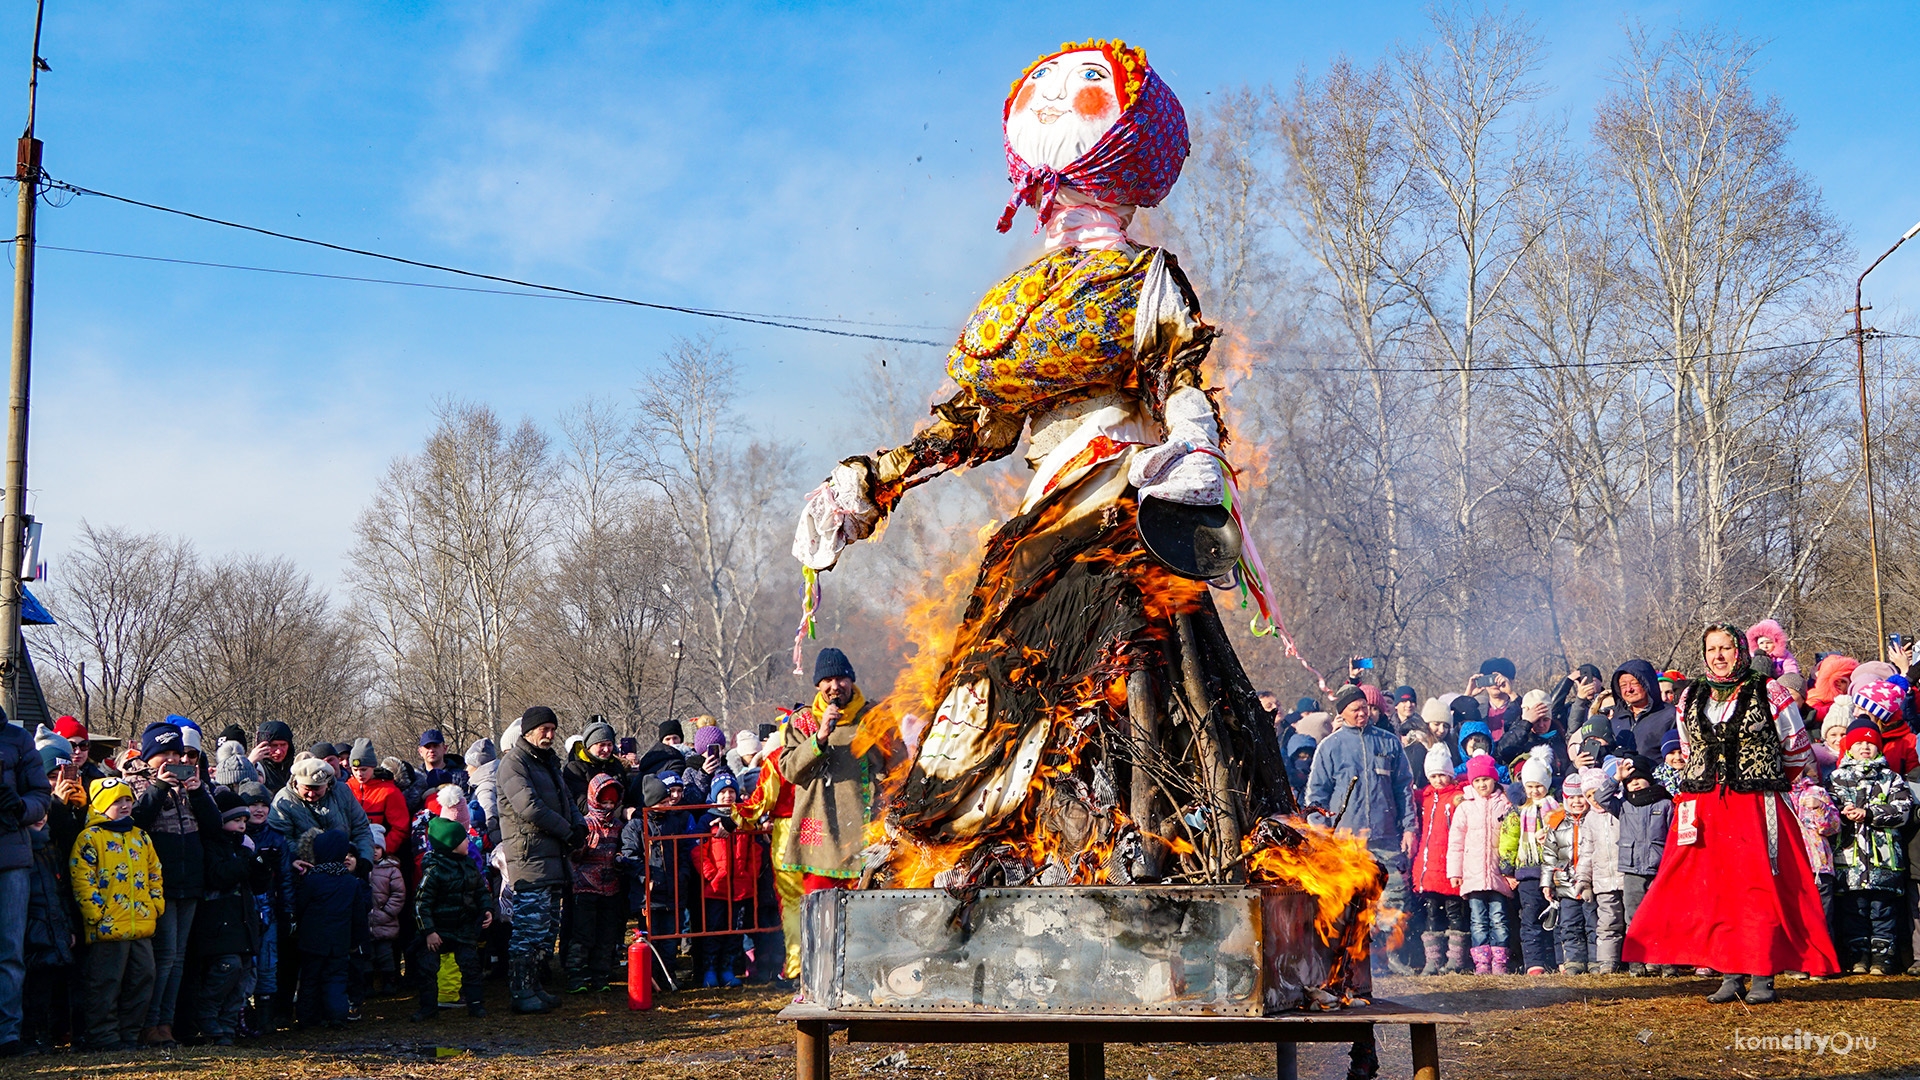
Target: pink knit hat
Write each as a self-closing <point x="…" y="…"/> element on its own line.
<point x="1480" y="765"/>
<point x="1879" y="700"/>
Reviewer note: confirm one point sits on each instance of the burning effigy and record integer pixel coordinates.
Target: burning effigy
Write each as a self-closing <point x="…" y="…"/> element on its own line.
<point x="1087" y="793"/>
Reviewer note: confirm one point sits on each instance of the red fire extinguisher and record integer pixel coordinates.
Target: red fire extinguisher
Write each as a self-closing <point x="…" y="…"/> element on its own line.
<point x="640" y="973"/>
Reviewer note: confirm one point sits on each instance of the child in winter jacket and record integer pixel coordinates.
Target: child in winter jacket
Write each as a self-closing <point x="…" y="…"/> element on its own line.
<point x="226" y="928"/>
<point x="1644" y="810"/>
<point x="1819" y="819"/>
<point x="599" y="903"/>
<point x="1473" y="853"/>
<point x="1520" y="837"/>
<point x="454" y="910"/>
<point x="729" y="865"/>
<point x="270" y="901"/>
<point x="1672" y="757"/>
<point x="1445" y="939"/>
<point x="330" y="920"/>
<point x="1599" y="867"/>
<point x="117" y="884"/>
<point x="1560" y="848"/>
<point x="45" y="1001"/>
<point x="1871" y="860"/>
<point x="389" y="889"/>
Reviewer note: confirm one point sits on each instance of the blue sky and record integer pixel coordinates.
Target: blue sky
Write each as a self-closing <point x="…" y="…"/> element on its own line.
<point x="830" y="160"/>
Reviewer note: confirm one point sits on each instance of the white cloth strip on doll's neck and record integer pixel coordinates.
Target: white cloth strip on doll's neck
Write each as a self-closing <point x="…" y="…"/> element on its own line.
<point x="1087" y="224"/>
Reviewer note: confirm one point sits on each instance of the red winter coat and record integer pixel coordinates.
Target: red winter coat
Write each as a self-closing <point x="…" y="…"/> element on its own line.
<point x="385" y="807"/>
<point x="728" y="864"/>
<point x="1436" y="821"/>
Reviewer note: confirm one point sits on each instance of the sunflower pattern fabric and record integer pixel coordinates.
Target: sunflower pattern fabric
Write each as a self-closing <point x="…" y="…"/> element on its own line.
<point x="1056" y="331"/>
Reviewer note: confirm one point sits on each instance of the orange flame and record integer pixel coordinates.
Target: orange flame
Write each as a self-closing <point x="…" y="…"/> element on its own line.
<point x="1335" y="868"/>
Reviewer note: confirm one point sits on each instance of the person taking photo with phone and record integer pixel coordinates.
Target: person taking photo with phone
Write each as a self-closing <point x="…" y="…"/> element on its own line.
<point x="172" y="805"/>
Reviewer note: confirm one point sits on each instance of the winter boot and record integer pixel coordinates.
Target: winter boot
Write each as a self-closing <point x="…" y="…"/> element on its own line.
<point x="1483" y="959"/>
<point x="709" y="973"/>
<point x="1456" y="952"/>
<point x="1760" y="991"/>
<point x="1435" y="944"/>
<point x="1638" y="970"/>
<point x="1497" y="956"/>
<point x="1573" y="967"/>
<point x="523" y="985"/>
<point x="1730" y="989"/>
<point x="1880" y="957"/>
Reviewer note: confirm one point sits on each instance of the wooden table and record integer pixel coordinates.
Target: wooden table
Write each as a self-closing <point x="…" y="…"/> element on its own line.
<point x="1087" y="1036"/>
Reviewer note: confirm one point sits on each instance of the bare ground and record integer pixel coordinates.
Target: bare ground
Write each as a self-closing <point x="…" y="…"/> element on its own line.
<point x="1518" y="1027"/>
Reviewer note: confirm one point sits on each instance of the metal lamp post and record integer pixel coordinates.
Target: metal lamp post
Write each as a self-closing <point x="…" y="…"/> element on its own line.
<point x="1860" y="332"/>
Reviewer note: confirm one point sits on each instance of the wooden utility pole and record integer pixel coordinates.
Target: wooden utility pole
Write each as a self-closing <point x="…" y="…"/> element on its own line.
<point x="1860" y="332"/>
<point x="13" y="527"/>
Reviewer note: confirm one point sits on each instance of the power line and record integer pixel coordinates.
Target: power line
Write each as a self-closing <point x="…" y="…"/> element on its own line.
<point x="744" y="317"/>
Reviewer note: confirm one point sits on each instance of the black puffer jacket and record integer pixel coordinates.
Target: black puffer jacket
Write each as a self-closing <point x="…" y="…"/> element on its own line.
<point x="537" y="819"/>
<point x="173" y="818"/>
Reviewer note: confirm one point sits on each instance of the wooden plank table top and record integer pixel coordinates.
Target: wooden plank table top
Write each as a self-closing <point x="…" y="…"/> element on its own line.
<point x="1086" y="1035"/>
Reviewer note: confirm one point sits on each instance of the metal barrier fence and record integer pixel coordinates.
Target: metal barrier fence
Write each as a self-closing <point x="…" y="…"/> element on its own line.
<point x="674" y="897"/>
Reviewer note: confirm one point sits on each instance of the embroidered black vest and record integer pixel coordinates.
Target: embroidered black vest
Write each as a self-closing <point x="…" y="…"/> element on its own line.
<point x="1744" y="753"/>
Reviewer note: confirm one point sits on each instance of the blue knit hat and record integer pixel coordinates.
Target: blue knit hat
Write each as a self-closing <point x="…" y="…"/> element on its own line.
<point x="330" y="846"/>
<point x="160" y="737"/>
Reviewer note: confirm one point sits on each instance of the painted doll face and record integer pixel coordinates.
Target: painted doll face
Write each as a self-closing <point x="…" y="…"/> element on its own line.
<point x="1063" y="107"/>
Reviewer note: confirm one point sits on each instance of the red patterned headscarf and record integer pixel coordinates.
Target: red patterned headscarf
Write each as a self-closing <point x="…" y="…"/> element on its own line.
<point x="1134" y="164"/>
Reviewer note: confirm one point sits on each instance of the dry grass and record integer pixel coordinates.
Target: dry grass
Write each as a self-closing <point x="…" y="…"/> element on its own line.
<point x="1609" y="1026"/>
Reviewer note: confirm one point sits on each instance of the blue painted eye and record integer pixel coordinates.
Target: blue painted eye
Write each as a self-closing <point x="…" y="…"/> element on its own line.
<point x="1093" y="74"/>
<point x="1040" y="73"/>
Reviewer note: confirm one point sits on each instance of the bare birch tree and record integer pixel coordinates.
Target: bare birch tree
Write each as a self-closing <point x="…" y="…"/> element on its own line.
<point x="126" y="605"/>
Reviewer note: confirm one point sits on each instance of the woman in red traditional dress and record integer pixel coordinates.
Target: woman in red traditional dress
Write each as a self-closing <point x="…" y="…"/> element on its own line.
<point x="1736" y="892"/>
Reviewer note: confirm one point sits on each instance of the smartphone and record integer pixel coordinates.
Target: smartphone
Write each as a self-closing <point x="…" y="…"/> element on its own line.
<point x="1363" y="662"/>
<point x="66" y="772"/>
<point x="1895" y="641"/>
<point x="180" y="770"/>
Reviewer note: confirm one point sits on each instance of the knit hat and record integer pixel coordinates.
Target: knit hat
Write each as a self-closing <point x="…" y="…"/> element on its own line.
<point x="746" y="743"/>
<point x="182" y="722"/>
<point x="1439" y="761"/>
<point x="1375" y="698"/>
<point x="1793" y="681"/>
<point x="362" y="755"/>
<point x="1669" y="744"/>
<point x="450" y="794"/>
<point x="1536" y="771"/>
<point x="231" y="765"/>
<point x="1315" y="725"/>
<point x="445" y="834"/>
<point x="190" y="739"/>
<point x="231" y="805"/>
<point x="1572" y="786"/>
<point x="1346" y="697"/>
<point x="252" y="792"/>
<point x="312" y="772"/>
<point x="708" y="738"/>
<point x="330" y="846"/>
<point x="726" y="782"/>
<point x="379" y="832"/>
<point x="480" y="752"/>
<point x="1880" y="700"/>
<point x="1498" y="665"/>
<point x="671" y="729"/>
<point x="598" y="733"/>
<point x="323" y="750"/>
<point x="1531" y="698"/>
<point x="1837" y="720"/>
<point x="70" y="729"/>
<point x="537" y="716"/>
<point x="160" y="737"/>
<point x="54" y="750"/>
<point x="831" y="664"/>
<point x="1404" y="693"/>
<point x="1480" y="765"/>
<point x="1863" y="729"/>
<point x="273" y="731"/>
<point x="671" y="778"/>
<point x="105" y="791"/>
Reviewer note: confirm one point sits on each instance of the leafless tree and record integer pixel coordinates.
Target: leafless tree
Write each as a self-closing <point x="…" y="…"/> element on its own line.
<point x="445" y="564"/>
<point x="268" y="646"/>
<point x="125" y="607"/>
<point x="730" y="501"/>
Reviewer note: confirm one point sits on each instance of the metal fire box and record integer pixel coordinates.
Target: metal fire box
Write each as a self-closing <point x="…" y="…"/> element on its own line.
<point x="1166" y="950"/>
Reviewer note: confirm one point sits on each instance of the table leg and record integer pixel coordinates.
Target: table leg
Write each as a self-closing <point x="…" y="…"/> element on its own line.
<point x="1095" y="1066"/>
<point x="1426" y="1051"/>
<point x="1286" y="1061"/>
<point x="810" y="1049"/>
<point x="1076" y="1061"/>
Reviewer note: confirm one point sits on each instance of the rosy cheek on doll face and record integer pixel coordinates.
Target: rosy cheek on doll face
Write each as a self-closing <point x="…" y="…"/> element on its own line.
<point x="1093" y="103"/>
<point x="1025" y="95"/>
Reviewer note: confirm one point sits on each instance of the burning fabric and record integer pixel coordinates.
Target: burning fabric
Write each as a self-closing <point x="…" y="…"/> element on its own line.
<point x="1089" y="723"/>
